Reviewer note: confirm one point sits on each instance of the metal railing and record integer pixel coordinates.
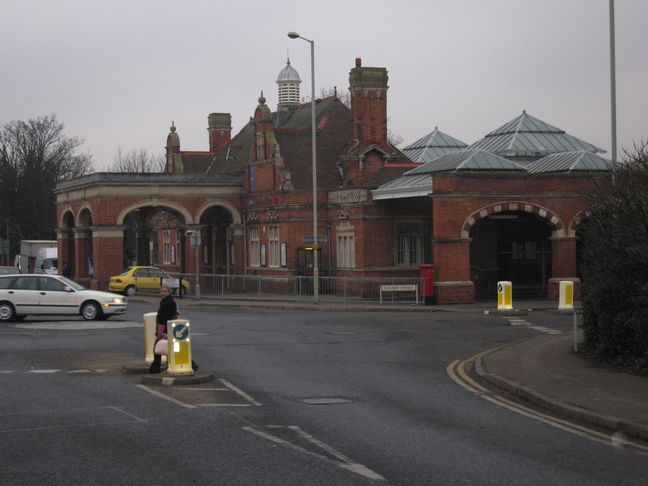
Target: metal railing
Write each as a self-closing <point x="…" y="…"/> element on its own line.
<point x="331" y="289"/>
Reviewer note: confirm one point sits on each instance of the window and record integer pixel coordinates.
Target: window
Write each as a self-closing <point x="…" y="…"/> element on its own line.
<point x="166" y="246"/>
<point x="275" y="254"/>
<point x="345" y="245"/>
<point x="255" y="246"/>
<point x="252" y="184"/>
<point x="260" y="146"/>
<point x="408" y="244"/>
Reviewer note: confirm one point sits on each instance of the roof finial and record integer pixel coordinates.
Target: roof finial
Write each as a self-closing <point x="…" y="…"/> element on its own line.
<point x="173" y="128"/>
<point x="262" y="99"/>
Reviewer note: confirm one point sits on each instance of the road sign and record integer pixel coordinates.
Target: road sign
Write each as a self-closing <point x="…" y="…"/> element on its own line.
<point x="180" y="332"/>
<point x="311" y="239"/>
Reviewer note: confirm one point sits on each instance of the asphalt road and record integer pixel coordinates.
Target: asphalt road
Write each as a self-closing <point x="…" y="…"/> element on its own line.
<point x="300" y="398"/>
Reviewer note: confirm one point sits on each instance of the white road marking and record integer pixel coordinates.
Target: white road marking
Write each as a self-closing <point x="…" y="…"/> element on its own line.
<point x="240" y="392"/>
<point x="341" y="460"/>
<point x="78" y="325"/>
<point x="513" y="321"/>
<point x="162" y="395"/>
<point x="44" y="371"/>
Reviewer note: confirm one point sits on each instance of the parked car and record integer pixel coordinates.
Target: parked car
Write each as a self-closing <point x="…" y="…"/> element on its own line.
<point x="42" y="294"/>
<point x="9" y="270"/>
<point x="142" y="279"/>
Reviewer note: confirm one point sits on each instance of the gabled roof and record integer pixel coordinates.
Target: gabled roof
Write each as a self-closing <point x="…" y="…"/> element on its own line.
<point x="431" y="146"/>
<point x="529" y="138"/>
<point x="469" y="159"/>
<point x="580" y="160"/>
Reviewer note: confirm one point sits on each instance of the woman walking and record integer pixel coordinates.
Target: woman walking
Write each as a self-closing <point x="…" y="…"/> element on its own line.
<point x="167" y="311"/>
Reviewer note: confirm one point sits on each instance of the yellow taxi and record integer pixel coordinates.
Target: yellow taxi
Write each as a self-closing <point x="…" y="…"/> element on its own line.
<point x="143" y="279"/>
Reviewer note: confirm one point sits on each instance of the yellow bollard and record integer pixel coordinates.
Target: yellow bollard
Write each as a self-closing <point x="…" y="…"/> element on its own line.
<point x="504" y="295"/>
<point x="179" y="335"/>
<point x="149" y="335"/>
<point x="566" y="296"/>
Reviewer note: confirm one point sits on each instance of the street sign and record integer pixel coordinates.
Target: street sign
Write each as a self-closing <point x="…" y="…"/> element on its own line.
<point x="180" y="332"/>
<point x="311" y="239"/>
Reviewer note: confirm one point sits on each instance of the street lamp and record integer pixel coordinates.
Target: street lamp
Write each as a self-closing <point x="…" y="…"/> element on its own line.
<point x="295" y="35"/>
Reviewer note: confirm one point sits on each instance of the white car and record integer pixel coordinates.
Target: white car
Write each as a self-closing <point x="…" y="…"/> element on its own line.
<point x="41" y="294"/>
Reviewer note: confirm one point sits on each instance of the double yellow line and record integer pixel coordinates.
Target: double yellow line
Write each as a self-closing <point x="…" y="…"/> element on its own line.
<point x="457" y="372"/>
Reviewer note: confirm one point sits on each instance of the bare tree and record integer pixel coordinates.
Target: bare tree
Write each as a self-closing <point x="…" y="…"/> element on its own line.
<point x="35" y="156"/>
<point x="137" y="160"/>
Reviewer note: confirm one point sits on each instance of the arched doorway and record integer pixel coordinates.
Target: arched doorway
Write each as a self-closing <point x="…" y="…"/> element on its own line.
<point x="513" y="246"/>
<point x="154" y="236"/>
<point x="216" y="231"/>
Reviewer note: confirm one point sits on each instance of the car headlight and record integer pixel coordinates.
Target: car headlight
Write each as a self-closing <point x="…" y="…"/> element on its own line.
<point x="116" y="300"/>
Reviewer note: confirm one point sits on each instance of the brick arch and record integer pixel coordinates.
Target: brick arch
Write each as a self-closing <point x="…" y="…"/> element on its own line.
<point x="83" y="209"/>
<point x="236" y="216"/>
<point x="576" y="220"/>
<point x="557" y="226"/>
<point x="64" y="214"/>
<point x="158" y="204"/>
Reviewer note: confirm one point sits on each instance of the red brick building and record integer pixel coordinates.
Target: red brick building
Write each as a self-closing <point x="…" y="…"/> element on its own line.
<point x="505" y="208"/>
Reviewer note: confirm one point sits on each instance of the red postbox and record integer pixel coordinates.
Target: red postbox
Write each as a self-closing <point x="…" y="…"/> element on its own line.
<point x="427" y="288"/>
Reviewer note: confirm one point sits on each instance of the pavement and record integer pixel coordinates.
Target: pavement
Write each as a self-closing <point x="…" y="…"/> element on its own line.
<point x="543" y="370"/>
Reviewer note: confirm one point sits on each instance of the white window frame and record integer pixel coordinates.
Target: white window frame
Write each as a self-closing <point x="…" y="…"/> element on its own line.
<point x="345" y="238"/>
<point x="274" y="259"/>
<point x="255" y="246"/>
<point x="166" y="246"/>
<point x="409" y="243"/>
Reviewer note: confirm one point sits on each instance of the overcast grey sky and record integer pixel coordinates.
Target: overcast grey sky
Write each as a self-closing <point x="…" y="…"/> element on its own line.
<point x="117" y="72"/>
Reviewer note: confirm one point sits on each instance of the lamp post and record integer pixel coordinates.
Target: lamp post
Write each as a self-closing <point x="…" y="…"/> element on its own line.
<point x="295" y="35"/>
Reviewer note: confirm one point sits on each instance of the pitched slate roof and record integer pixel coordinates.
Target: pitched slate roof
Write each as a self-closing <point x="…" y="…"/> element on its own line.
<point x="575" y="161"/>
<point x="528" y="138"/>
<point x="469" y="159"/>
<point x="431" y="146"/>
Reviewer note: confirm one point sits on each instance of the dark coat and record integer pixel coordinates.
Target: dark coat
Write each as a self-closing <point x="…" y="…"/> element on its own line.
<point x="166" y="312"/>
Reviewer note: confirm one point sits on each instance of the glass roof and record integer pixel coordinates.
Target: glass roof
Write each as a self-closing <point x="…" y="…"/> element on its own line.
<point x="526" y="136"/>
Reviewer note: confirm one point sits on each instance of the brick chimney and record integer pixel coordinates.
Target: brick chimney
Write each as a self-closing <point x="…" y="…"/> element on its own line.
<point x="220" y="131"/>
<point x="368" y="87"/>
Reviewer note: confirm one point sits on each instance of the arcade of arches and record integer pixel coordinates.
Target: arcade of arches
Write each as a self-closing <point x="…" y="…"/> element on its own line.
<point x="100" y="236"/>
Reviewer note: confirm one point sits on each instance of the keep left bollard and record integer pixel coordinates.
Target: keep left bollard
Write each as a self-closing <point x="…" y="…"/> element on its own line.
<point x="149" y="335"/>
<point x="504" y="296"/>
<point x="566" y="296"/>
<point x="179" y="336"/>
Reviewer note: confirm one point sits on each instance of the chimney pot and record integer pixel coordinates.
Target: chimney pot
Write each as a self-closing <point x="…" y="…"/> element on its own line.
<point x="358" y="62"/>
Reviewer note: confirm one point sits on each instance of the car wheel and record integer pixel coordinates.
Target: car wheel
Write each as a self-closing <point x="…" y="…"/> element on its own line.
<point x="6" y="311"/>
<point x="90" y="311"/>
<point x="130" y="290"/>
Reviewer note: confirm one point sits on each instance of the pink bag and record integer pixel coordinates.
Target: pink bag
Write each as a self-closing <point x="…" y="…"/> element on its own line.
<point x="162" y="347"/>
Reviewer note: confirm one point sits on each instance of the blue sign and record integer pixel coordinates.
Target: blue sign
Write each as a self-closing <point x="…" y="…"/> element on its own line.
<point x="180" y="332"/>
